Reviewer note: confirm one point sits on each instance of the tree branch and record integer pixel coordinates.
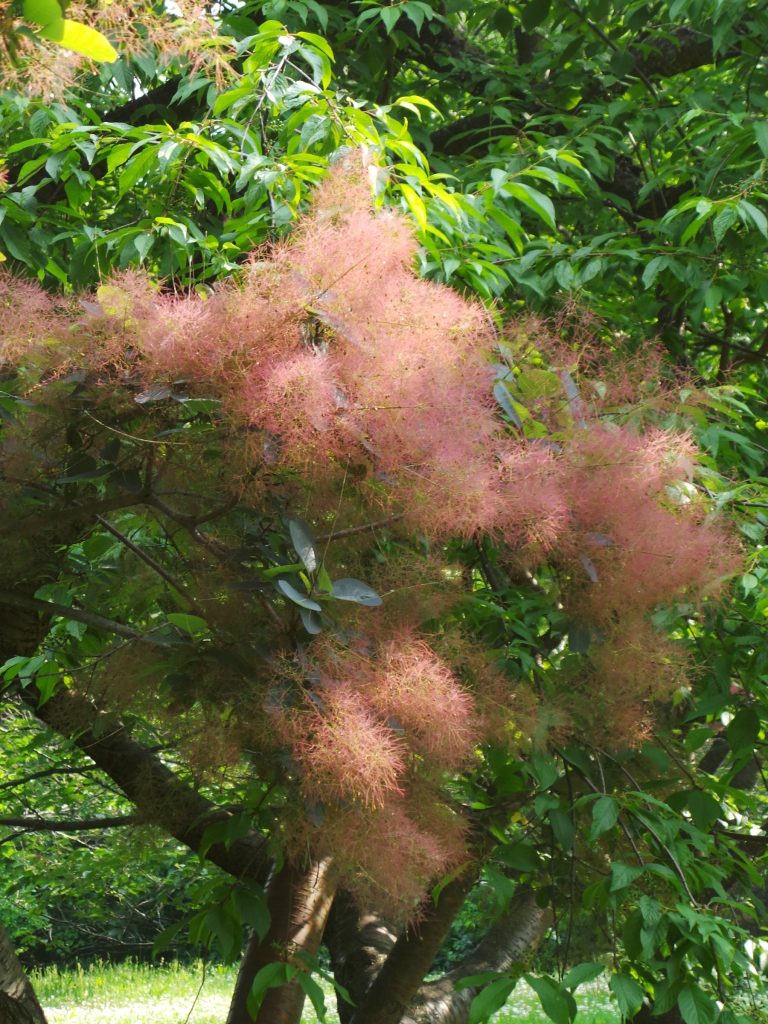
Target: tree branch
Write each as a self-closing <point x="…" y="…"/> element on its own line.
<point x="159" y="795"/>
<point x="44" y="773"/>
<point x="150" y="561"/>
<point x="352" y="531"/>
<point x="398" y="981"/>
<point x="53" y="610"/>
<point x="73" y="825"/>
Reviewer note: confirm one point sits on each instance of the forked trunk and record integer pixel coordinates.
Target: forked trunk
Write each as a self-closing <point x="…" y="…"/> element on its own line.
<point x="361" y="946"/>
<point x="18" y="1002"/>
<point x="397" y="983"/>
<point x="299" y="902"/>
<point x="359" y="942"/>
<point x="510" y="942"/>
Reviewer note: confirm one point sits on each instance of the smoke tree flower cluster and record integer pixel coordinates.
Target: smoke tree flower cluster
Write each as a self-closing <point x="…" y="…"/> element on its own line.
<point x="349" y="389"/>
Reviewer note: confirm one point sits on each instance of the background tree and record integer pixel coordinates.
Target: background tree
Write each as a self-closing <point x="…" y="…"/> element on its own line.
<point x="188" y="175"/>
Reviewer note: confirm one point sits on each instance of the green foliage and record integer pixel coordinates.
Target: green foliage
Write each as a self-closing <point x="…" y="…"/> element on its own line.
<point x="609" y="155"/>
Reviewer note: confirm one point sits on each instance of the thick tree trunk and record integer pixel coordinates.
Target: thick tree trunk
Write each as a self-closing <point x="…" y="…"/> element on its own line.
<point x="361" y="943"/>
<point x="512" y="940"/>
<point x="18" y="1002"/>
<point x="299" y="903"/>
<point x="397" y="983"/>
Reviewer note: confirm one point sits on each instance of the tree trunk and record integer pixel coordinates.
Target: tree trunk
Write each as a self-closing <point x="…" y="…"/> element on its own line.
<point x="397" y="983"/>
<point x="358" y="942"/>
<point x="18" y="1002"/>
<point x="511" y="941"/>
<point x="361" y="943"/>
<point x="299" y="901"/>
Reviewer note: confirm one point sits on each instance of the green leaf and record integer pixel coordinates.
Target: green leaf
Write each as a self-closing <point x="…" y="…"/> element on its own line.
<point x="252" y="907"/>
<point x="581" y="974"/>
<point x="135" y="169"/>
<point x="696" y="1006"/>
<point x="536" y="201"/>
<point x="118" y="155"/>
<point x="756" y="215"/>
<point x="303" y="542"/>
<point x="42" y="12"/>
<point x="651" y="910"/>
<point x="629" y="994"/>
<point x="415" y="12"/>
<point x="557" y="1003"/>
<point x="491" y="999"/>
<point x="605" y="814"/>
<point x="652" y="269"/>
<point x="705" y="810"/>
<point x="723" y="221"/>
<point x="357" y="591"/>
<point x="544" y="769"/>
<point x="562" y="827"/>
<point x="390" y="16"/>
<point x="315" y="993"/>
<point x="323" y="582"/>
<point x="534" y="13"/>
<point x="189" y="623"/>
<point x="293" y="594"/>
<point x="271" y="976"/>
<point x="623" y="875"/>
<point x="761" y="134"/>
<point x="80" y="38"/>
<point x="743" y="729"/>
<point x="164" y="940"/>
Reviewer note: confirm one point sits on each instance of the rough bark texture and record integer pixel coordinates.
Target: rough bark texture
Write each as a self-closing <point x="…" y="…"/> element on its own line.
<point x="299" y="902"/>
<point x="18" y="1002"/>
<point x="360" y="943"/>
<point x="510" y="941"/>
<point x="397" y="983"/>
<point x="161" y="797"/>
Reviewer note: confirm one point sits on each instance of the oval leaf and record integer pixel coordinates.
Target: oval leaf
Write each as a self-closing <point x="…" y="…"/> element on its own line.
<point x="696" y="1006"/>
<point x="79" y="38"/>
<point x="293" y="594"/>
<point x="629" y="994"/>
<point x="605" y="814"/>
<point x="490" y="1000"/>
<point x="303" y="542"/>
<point x="555" y="1001"/>
<point x="311" y="620"/>
<point x="357" y="591"/>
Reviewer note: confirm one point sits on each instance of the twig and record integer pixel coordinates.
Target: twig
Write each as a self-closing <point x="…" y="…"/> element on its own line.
<point x="44" y="774"/>
<point x="150" y="561"/>
<point x="73" y="825"/>
<point x="353" y="530"/>
<point x="50" y="608"/>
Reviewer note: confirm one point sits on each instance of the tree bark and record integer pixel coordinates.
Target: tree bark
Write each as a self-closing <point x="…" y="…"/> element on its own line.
<point x="299" y="902"/>
<point x="398" y="981"/>
<point x="510" y="941"/>
<point x="18" y="1002"/>
<point x="360" y="943"/>
<point x="160" y="796"/>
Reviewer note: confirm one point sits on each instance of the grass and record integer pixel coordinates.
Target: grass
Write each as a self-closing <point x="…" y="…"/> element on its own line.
<point x="132" y="993"/>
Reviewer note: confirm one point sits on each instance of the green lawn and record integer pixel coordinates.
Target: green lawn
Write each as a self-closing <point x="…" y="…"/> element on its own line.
<point x="168" y="994"/>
